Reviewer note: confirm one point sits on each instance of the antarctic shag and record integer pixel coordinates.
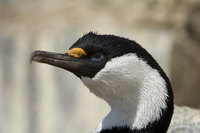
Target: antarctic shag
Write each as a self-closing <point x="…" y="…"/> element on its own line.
<point x="125" y="75"/>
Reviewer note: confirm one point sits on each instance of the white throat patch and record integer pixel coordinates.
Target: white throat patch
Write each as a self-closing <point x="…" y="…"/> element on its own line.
<point x="134" y="90"/>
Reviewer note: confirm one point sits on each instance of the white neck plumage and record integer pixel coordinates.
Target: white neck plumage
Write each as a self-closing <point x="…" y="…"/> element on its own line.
<point x="134" y="90"/>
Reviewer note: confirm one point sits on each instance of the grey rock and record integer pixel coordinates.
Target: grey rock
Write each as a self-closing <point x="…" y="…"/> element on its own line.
<point x="185" y="120"/>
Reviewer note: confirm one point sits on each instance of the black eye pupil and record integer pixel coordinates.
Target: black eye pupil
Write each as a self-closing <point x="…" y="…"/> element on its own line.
<point x="97" y="57"/>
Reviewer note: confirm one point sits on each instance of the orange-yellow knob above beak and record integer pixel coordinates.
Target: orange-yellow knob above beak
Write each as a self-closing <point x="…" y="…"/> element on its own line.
<point x="76" y="52"/>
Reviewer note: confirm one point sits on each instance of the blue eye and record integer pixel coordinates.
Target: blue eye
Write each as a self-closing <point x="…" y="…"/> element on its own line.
<point x="97" y="57"/>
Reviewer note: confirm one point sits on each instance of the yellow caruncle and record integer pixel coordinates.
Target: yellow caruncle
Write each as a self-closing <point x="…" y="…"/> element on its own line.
<point x="76" y="52"/>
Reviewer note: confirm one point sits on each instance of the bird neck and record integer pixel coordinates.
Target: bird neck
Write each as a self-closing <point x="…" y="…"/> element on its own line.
<point x="121" y="114"/>
<point x="123" y="121"/>
<point x="129" y="117"/>
<point x="140" y="96"/>
<point x="133" y="112"/>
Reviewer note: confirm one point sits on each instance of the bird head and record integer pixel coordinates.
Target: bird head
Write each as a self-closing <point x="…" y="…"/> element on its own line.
<point x="122" y="73"/>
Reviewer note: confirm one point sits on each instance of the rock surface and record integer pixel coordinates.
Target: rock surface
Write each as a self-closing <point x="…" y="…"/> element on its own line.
<point x="185" y="120"/>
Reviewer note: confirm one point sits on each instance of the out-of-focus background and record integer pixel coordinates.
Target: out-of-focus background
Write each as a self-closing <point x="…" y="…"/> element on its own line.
<point x="37" y="98"/>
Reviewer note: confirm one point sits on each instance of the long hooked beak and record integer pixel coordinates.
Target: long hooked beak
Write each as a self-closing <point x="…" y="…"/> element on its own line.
<point x="79" y="66"/>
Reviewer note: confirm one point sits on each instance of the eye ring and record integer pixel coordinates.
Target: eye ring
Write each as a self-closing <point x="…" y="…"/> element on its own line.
<point x="97" y="57"/>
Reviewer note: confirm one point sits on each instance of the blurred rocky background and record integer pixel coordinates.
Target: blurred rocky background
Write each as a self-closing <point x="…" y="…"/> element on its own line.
<point x="38" y="98"/>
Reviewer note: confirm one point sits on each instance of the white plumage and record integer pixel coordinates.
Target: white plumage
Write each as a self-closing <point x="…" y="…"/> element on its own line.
<point x="130" y="86"/>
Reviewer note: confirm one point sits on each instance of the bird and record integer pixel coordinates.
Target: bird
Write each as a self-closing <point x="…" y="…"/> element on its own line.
<point x="125" y="75"/>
